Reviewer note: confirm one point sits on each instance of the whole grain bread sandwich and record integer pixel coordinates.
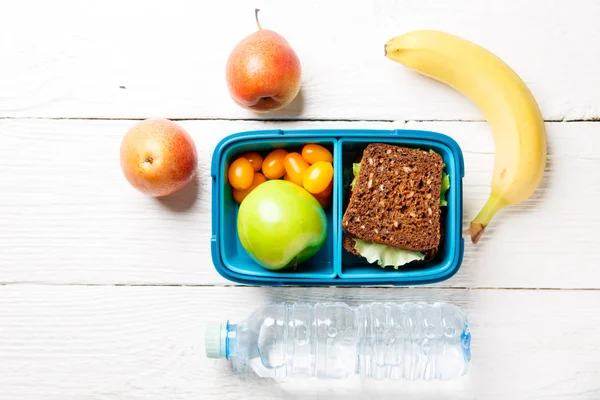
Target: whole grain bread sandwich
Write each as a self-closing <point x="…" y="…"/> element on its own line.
<point x="394" y="211"/>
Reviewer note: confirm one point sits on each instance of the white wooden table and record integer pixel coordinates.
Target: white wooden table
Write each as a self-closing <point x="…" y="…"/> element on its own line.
<point x="105" y="292"/>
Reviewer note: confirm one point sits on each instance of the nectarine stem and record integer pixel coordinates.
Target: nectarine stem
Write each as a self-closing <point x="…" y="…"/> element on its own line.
<point x="256" y="10"/>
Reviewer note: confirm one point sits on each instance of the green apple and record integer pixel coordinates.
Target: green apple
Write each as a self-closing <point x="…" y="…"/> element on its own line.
<point x="281" y="225"/>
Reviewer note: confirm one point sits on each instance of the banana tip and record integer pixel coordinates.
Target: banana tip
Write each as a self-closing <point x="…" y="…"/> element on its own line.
<point x="475" y="231"/>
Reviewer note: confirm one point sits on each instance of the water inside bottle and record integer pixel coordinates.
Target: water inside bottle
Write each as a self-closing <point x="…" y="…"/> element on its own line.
<point x="333" y="340"/>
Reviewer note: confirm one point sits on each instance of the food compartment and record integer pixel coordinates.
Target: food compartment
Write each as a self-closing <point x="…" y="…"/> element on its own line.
<point x="449" y="255"/>
<point x="233" y="256"/>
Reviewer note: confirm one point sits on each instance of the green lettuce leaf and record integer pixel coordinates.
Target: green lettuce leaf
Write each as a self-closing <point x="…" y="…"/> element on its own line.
<point x="386" y="255"/>
<point x="355" y="170"/>
<point x="445" y="185"/>
<point x="444" y="189"/>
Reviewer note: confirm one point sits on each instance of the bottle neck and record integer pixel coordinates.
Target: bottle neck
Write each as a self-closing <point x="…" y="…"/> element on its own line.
<point x="231" y="340"/>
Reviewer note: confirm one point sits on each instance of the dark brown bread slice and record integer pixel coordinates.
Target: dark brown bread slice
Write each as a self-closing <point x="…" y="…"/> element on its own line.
<point x="431" y="253"/>
<point x="396" y="198"/>
<point x="348" y="245"/>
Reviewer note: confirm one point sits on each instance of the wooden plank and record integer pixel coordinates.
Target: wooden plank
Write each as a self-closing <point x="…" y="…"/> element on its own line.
<point x="140" y="58"/>
<point x="148" y="343"/>
<point x="69" y="216"/>
<point x="67" y="210"/>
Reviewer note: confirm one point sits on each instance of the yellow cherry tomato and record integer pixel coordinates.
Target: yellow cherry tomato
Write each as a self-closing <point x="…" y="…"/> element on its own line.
<point x="241" y="173"/>
<point x="273" y="166"/>
<point x="255" y="159"/>
<point x="313" y="153"/>
<point x="295" y="168"/>
<point x="318" y="177"/>
<point x="240" y="194"/>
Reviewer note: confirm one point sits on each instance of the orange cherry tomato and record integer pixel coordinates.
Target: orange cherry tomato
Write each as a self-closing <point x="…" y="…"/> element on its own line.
<point x="324" y="198"/>
<point x="240" y="194"/>
<point x="273" y="166"/>
<point x="241" y="173"/>
<point x="327" y="191"/>
<point x="318" y="177"/>
<point x="313" y="153"/>
<point x="286" y="177"/>
<point x="323" y="201"/>
<point x="295" y="167"/>
<point x="255" y="159"/>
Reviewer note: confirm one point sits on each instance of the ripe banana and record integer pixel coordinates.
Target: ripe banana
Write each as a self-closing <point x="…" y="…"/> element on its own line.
<point x="504" y="99"/>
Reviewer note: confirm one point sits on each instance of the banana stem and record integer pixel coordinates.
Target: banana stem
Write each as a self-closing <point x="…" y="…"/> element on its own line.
<point x="481" y="221"/>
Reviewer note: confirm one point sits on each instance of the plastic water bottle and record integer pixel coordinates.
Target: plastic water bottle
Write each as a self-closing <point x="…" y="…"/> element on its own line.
<point x="414" y="341"/>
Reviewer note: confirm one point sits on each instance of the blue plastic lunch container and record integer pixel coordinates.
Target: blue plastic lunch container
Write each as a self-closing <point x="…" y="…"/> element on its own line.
<point x="333" y="266"/>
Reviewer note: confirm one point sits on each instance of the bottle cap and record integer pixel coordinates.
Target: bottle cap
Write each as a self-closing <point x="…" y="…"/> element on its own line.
<point x="215" y="340"/>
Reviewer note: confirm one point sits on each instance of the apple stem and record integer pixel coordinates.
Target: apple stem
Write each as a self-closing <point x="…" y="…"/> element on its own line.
<point x="295" y="262"/>
<point x="256" y="10"/>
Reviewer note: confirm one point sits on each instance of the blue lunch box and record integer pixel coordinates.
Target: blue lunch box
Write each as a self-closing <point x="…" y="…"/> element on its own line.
<point x="331" y="265"/>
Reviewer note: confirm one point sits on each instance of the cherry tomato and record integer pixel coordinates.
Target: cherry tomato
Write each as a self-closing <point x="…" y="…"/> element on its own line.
<point x="286" y="177"/>
<point x="255" y="159"/>
<point x="295" y="167"/>
<point x="324" y="198"/>
<point x="241" y="174"/>
<point x="240" y="194"/>
<point x="273" y="166"/>
<point x="318" y="177"/>
<point x="323" y="201"/>
<point x="327" y="191"/>
<point x="313" y="153"/>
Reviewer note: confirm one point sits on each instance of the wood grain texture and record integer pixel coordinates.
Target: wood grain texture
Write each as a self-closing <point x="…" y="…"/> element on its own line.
<point x="74" y="73"/>
<point x="152" y="58"/>
<point x="69" y="216"/>
<point x="63" y="343"/>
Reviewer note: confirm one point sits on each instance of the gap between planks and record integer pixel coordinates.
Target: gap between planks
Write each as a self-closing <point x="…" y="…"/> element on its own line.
<point x="167" y="285"/>
<point x="279" y="119"/>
